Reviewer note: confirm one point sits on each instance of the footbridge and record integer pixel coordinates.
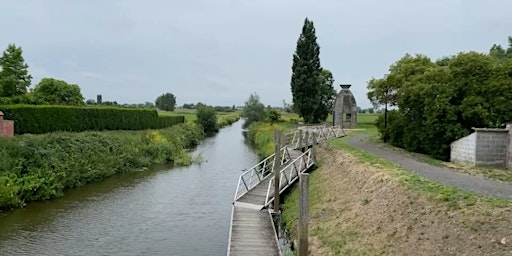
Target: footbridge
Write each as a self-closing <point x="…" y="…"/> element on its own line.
<point x="252" y="230"/>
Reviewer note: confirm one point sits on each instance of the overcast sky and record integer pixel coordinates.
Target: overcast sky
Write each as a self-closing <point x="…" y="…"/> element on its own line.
<point x="219" y="51"/>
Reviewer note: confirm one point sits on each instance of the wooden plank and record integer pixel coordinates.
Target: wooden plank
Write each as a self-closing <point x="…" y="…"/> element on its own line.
<point x="252" y="233"/>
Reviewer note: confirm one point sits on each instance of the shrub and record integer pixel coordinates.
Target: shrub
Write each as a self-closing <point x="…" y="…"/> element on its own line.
<point x="207" y="118"/>
<point x="38" y="167"/>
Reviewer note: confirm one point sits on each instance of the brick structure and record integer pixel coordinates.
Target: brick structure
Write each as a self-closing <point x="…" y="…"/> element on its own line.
<point x="484" y="147"/>
<point x="6" y="126"/>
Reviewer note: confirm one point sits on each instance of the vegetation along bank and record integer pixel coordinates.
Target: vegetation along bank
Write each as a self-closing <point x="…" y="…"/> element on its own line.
<point x="39" y="167"/>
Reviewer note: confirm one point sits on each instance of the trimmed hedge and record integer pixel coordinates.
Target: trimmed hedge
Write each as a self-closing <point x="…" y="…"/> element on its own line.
<point x="38" y="119"/>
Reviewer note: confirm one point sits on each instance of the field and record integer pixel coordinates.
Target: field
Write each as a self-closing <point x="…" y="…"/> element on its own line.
<point x="190" y="114"/>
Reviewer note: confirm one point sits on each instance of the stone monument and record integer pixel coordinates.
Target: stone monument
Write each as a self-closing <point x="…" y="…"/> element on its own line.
<point x="345" y="108"/>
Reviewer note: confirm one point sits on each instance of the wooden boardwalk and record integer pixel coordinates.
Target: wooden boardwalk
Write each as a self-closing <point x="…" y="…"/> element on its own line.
<point x="252" y="230"/>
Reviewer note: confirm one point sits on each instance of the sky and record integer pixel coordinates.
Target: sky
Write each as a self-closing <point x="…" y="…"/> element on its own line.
<point x="220" y="51"/>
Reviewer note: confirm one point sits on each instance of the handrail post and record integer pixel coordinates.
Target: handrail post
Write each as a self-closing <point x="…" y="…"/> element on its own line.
<point x="313" y="149"/>
<point x="303" y="214"/>
<point x="306" y="141"/>
<point x="277" y="168"/>
<point x="300" y="140"/>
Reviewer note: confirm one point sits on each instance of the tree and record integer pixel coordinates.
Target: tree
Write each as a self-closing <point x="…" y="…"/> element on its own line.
<point x="306" y="83"/>
<point x="14" y="76"/>
<point x="207" y="118"/>
<point x="327" y="96"/>
<point x="58" y="92"/>
<point x="253" y="110"/>
<point x="166" y="102"/>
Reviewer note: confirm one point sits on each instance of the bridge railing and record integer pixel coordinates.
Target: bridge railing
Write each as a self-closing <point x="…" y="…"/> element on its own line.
<point x="254" y="175"/>
<point x="289" y="173"/>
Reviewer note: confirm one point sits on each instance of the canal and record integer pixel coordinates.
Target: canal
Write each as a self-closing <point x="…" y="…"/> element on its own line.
<point x="163" y="211"/>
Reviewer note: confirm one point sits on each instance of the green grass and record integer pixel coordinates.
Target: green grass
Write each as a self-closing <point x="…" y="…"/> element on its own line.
<point x="190" y="114"/>
<point x="433" y="190"/>
<point x="490" y="173"/>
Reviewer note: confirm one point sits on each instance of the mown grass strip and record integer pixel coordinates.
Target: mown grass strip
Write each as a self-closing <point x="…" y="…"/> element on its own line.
<point x="431" y="189"/>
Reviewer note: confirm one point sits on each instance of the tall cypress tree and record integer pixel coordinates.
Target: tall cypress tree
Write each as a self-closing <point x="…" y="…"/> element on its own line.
<point x="306" y="71"/>
<point x="14" y="77"/>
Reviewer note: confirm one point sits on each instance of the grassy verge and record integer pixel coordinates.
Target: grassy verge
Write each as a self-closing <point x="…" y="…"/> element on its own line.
<point x="261" y="135"/>
<point x="433" y="190"/>
<point x="227" y="119"/>
<point x="490" y="173"/>
<point x="363" y="205"/>
<point x="39" y="167"/>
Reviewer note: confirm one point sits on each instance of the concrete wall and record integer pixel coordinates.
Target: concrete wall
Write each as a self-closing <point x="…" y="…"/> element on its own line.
<point x="463" y="150"/>
<point x="491" y="147"/>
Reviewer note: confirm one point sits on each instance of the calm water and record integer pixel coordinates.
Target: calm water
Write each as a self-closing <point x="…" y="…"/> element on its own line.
<point x="171" y="211"/>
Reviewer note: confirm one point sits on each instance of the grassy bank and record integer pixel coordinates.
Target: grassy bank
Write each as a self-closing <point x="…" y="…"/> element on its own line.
<point x="364" y="205"/>
<point x="39" y="167"/>
<point x="261" y="136"/>
<point x="227" y="119"/>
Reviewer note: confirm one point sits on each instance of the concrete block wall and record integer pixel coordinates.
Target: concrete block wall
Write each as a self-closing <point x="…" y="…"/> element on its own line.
<point x="463" y="150"/>
<point x="491" y="147"/>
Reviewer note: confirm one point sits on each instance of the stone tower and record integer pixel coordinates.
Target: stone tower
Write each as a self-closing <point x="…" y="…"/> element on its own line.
<point x="345" y="108"/>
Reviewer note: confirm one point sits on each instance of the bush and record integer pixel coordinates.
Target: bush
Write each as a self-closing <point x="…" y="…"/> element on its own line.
<point x="43" y="119"/>
<point x="207" y="118"/>
<point x="38" y="167"/>
<point x="273" y="115"/>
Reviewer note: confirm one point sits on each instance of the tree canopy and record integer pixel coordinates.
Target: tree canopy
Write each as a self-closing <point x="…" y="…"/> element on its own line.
<point x="311" y="88"/>
<point x="58" y="92"/>
<point x="166" y="101"/>
<point x="253" y="110"/>
<point x="14" y="76"/>
<point x="440" y="101"/>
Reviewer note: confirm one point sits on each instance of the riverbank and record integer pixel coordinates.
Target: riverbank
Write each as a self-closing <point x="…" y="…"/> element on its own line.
<point x="164" y="210"/>
<point x="363" y="205"/>
<point x="40" y="167"/>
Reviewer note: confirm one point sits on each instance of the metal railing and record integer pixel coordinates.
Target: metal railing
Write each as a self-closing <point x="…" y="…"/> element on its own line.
<point x="289" y="173"/>
<point x="253" y="176"/>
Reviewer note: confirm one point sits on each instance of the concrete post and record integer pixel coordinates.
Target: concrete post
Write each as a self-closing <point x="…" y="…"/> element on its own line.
<point x="303" y="214"/>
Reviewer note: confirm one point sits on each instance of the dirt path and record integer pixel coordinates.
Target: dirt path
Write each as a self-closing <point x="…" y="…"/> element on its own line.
<point x="442" y="175"/>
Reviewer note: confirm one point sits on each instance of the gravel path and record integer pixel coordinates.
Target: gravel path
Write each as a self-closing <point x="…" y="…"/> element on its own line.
<point x="443" y="175"/>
